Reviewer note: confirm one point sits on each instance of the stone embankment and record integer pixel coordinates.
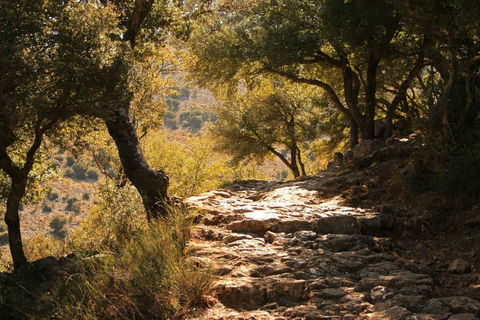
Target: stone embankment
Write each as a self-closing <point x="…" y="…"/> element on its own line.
<point x="282" y="252"/>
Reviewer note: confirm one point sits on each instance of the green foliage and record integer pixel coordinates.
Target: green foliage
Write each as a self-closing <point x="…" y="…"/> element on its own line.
<point x="79" y="170"/>
<point x="120" y="210"/>
<point x="171" y="120"/>
<point x="70" y="161"/>
<point x="74" y="205"/>
<point x="54" y="164"/>
<point x="58" y="222"/>
<point x="194" y="118"/>
<point x="92" y="173"/>
<point x="86" y="196"/>
<point x="173" y="104"/>
<point x="52" y="196"/>
<point x="3" y="233"/>
<point x="3" y="238"/>
<point x="266" y="118"/>
<point x="46" y="208"/>
<point x="69" y="173"/>
<point x="193" y="165"/>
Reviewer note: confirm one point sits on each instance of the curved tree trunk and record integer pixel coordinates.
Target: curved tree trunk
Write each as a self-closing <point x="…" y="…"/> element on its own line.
<point x="12" y="220"/>
<point x="368" y="129"/>
<point x="302" y="165"/>
<point x="151" y="184"/>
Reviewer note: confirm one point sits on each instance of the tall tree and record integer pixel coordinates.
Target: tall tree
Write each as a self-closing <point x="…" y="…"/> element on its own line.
<point x="144" y="25"/>
<point x="454" y="58"/>
<point x="338" y="46"/>
<point x="266" y="119"/>
<point x="43" y="58"/>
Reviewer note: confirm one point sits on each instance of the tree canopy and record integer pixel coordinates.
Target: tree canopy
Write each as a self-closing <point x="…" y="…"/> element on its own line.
<point x="267" y="119"/>
<point x="364" y="54"/>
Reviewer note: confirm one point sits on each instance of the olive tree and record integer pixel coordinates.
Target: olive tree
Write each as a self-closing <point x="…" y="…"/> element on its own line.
<point x="44" y="57"/>
<point x="270" y="117"/>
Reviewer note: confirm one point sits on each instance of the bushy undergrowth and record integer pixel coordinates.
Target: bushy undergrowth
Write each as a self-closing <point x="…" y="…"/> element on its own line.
<point x="121" y="267"/>
<point x="193" y="165"/>
<point x="116" y="216"/>
<point x="150" y="277"/>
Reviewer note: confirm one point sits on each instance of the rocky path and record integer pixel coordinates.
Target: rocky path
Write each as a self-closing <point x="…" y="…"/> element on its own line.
<point x="286" y="251"/>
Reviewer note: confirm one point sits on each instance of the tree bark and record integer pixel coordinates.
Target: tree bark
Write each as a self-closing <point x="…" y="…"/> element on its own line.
<point x="12" y="220"/>
<point x="368" y="129"/>
<point x="353" y="132"/>
<point x="152" y="185"/>
<point x="300" y="161"/>
<point x="293" y="162"/>
<point x="402" y="92"/>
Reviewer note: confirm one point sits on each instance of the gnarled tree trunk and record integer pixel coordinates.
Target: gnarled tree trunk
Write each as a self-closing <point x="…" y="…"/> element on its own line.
<point x="151" y="184"/>
<point x="12" y="220"/>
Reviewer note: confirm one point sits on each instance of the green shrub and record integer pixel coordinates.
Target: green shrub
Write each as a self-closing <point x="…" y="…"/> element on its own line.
<point x="77" y="207"/>
<point x="52" y="196"/>
<point x="69" y="173"/>
<point x="3" y="238"/>
<point x="58" y="222"/>
<point x="54" y="164"/>
<point x="62" y="233"/>
<point x="46" y="208"/>
<point x="80" y="170"/>
<point x="86" y="196"/>
<point x="92" y="173"/>
<point x="120" y="209"/>
<point x="74" y="205"/>
<point x="70" y="161"/>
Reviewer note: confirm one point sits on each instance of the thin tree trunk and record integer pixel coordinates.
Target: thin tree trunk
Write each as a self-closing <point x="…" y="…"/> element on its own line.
<point x="353" y="132"/>
<point x="12" y="220"/>
<point x="19" y="177"/>
<point x="368" y="129"/>
<point x="293" y="162"/>
<point x="402" y="92"/>
<point x="152" y="185"/>
<point x="302" y="165"/>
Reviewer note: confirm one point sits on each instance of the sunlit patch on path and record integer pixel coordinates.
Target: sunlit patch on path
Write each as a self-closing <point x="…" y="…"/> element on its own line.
<point x="285" y="252"/>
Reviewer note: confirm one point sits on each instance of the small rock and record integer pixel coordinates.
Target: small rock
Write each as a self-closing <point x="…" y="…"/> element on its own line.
<point x="305" y="235"/>
<point x="222" y="194"/>
<point x="249" y="225"/>
<point x="330" y="293"/>
<point x="367" y="148"/>
<point x="393" y="313"/>
<point x="348" y="155"/>
<point x="381" y="293"/>
<point x="269" y="237"/>
<point x="459" y="266"/>
<point x="338" y="225"/>
<point x="452" y="304"/>
<point x="235" y="237"/>
<point x="370" y="224"/>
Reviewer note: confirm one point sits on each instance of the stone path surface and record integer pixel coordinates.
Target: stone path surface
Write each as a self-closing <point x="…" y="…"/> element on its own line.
<point x="283" y="251"/>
